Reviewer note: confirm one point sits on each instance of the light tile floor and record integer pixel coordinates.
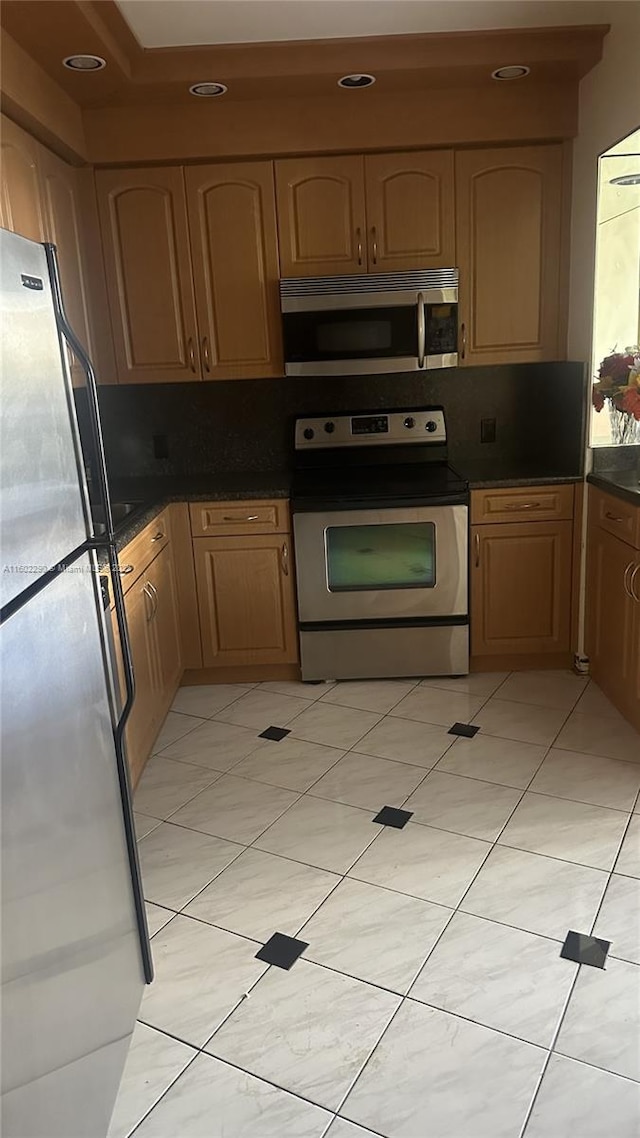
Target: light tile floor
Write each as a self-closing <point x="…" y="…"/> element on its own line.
<point x="432" y="1001"/>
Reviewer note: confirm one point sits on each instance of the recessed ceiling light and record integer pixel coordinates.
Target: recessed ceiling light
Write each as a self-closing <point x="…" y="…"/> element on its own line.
<point x="357" y="80"/>
<point x="626" y="180"/>
<point x="84" y="62"/>
<point x="207" y="90"/>
<point x="513" y="71"/>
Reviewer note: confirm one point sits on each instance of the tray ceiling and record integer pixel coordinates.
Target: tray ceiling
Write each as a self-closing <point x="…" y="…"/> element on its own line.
<point x="174" y="23"/>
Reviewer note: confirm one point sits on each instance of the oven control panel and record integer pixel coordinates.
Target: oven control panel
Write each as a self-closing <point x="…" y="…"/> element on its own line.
<point x="421" y="425"/>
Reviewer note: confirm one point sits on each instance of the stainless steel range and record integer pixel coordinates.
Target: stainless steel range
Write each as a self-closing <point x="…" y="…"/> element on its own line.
<point x="380" y="524"/>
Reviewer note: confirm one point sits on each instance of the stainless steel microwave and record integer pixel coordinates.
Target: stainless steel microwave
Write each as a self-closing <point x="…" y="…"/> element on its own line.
<point x="375" y="322"/>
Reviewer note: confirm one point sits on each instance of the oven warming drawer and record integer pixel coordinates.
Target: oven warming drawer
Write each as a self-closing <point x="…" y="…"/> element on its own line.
<point x="376" y="653"/>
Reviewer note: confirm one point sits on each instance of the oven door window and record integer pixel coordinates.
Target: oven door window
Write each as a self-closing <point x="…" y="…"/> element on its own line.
<point x="396" y="556"/>
<point x="355" y="333"/>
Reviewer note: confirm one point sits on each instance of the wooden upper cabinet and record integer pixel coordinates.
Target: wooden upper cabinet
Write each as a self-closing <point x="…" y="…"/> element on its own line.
<point x="232" y="221"/>
<point x="64" y="228"/>
<point x="145" y="238"/>
<point x="410" y="211"/>
<point x="321" y="216"/>
<point x="509" y="213"/>
<point x="21" y="202"/>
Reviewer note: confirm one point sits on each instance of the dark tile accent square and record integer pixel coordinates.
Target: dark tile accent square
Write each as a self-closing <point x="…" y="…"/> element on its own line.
<point x="275" y="733"/>
<point x="464" y="729"/>
<point x="281" y="950"/>
<point x="390" y="816"/>
<point x="584" y="949"/>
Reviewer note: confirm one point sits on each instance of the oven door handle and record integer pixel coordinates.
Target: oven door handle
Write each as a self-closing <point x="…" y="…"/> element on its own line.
<point x="422" y="331"/>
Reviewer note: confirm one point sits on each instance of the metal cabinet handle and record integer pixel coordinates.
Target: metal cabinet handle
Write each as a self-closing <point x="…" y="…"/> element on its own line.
<point x="285" y="559"/>
<point x="524" y="506"/>
<point x="476" y="543"/>
<point x="374" y="244"/>
<point x="625" y="580"/>
<point x="463" y="341"/>
<point x="250" y="518"/>
<point x="192" y="354"/>
<point x="359" y="241"/>
<point x="205" y="353"/>
<point x="612" y="517"/>
<point x="126" y="569"/>
<point x="632" y="584"/>
<point x="148" y="595"/>
<point x="422" y="331"/>
<point x="154" y="598"/>
<point x="159" y="536"/>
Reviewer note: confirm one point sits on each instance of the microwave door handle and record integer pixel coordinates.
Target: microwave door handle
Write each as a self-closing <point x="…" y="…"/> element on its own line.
<point x="422" y="331"/>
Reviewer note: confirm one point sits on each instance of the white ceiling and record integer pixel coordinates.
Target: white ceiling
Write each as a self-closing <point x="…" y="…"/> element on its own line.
<point x="173" y="23"/>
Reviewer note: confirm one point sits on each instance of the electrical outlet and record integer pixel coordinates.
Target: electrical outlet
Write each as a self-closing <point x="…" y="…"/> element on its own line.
<point x="160" y="446"/>
<point x="487" y="430"/>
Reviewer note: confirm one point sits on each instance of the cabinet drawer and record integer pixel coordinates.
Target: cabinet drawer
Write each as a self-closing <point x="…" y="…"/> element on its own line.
<point x="137" y="555"/>
<point x="225" y="519"/>
<point x="522" y="503"/>
<point x="622" y="519"/>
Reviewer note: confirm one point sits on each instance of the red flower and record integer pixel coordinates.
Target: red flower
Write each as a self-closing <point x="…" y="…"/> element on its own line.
<point x="631" y="403"/>
<point x="597" y="398"/>
<point x="616" y="367"/>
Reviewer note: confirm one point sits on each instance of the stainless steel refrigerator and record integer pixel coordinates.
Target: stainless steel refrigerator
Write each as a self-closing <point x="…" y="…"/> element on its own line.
<point x="74" y="945"/>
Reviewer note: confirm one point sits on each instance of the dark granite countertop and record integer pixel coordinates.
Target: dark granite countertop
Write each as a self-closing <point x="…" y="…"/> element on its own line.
<point x="486" y="475"/>
<point x="621" y="483"/>
<point x="153" y="494"/>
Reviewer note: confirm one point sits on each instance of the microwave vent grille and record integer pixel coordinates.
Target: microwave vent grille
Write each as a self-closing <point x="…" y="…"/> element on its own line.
<point x="369" y="283"/>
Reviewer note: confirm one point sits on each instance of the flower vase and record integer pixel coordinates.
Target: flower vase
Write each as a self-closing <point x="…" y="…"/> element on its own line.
<point x="624" y="428"/>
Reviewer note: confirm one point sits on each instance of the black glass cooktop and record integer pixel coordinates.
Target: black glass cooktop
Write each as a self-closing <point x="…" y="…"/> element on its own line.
<point x="406" y="484"/>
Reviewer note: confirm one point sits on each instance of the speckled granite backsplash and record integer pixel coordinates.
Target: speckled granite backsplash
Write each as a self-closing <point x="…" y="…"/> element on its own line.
<point x="246" y="425"/>
<point x="616" y="458"/>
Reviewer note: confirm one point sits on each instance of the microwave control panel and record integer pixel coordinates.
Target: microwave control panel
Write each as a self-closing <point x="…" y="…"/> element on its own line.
<point x="421" y="425"/>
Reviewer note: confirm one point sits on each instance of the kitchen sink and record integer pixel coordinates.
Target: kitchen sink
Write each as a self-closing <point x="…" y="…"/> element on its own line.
<point x="120" y="511"/>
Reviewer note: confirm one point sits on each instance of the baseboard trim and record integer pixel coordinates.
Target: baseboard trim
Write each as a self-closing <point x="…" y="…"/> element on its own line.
<point x="522" y="662"/>
<point x="250" y="674"/>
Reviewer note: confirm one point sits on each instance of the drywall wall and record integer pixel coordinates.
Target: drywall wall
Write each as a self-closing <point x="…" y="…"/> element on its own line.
<point x="609" y="109"/>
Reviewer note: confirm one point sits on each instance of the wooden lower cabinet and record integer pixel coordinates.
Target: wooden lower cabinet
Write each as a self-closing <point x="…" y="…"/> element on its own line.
<point x="246" y="600"/>
<point x="521" y="588"/>
<point x="612" y="637"/>
<point x="141" y="726"/>
<point x="152" y="619"/>
<point x="165" y="626"/>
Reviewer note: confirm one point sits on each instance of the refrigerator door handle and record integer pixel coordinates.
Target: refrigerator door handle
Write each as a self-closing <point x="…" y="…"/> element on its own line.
<point x="65" y="331"/>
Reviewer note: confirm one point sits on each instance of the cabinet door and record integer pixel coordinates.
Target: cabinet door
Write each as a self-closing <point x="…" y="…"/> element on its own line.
<point x="232" y="220"/>
<point x="63" y="224"/>
<point x="508" y="238"/>
<point x="143" y="218"/>
<point x="634" y="688"/>
<point x="246" y="600"/>
<point x="410" y="211"/>
<point x="21" y="206"/>
<point x="321" y="216"/>
<point x="610" y="638"/>
<point x="164" y="623"/>
<point x="142" y="724"/>
<point x="521" y="588"/>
